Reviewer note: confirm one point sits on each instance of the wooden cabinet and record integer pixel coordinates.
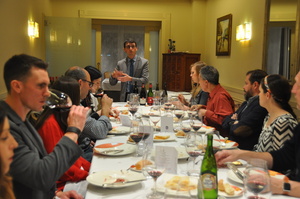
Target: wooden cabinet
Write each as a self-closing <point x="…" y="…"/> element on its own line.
<point x="176" y="70"/>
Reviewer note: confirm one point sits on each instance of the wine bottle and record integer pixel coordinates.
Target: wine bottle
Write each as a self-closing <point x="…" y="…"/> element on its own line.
<point x="135" y="88"/>
<point x="164" y="95"/>
<point x="143" y="95"/>
<point x="208" y="173"/>
<point x="150" y="95"/>
<point x="157" y="87"/>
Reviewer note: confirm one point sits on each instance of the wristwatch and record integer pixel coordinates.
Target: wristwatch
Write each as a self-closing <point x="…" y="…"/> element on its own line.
<point x="286" y="186"/>
<point x="73" y="129"/>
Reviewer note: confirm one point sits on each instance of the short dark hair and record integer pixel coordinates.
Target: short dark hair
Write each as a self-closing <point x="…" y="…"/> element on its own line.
<point x="94" y="72"/>
<point x="76" y="72"/>
<point x="256" y="75"/>
<point x="211" y="74"/>
<point x="18" y="68"/>
<point x="131" y="41"/>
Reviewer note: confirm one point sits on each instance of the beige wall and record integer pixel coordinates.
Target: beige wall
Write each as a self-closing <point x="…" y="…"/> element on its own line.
<point x="14" y="39"/>
<point x="191" y="23"/>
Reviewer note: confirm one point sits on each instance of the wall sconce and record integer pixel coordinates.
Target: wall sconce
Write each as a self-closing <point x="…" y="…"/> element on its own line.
<point x="33" y="29"/>
<point x="243" y="32"/>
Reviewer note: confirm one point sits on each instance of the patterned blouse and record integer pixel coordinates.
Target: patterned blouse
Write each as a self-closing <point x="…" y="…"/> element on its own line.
<point x="272" y="137"/>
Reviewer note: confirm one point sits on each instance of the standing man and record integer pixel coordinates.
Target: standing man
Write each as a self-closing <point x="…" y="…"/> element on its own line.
<point x="34" y="171"/>
<point x="219" y="103"/>
<point x="129" y="70"/>
<point x="245" y="124"/>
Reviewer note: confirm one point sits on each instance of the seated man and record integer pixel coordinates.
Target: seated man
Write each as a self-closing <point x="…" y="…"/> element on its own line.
<point x="285" y="158"/>
<point x="97" y="124"/>
<point x="245" y="124"/>
<point x="219" y="103"/>
<point x="34" y="171"/>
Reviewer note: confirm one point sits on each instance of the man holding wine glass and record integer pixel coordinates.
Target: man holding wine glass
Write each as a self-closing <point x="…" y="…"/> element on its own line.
<point x="34" y="171"/>
<point x="285" y="158"/>
<point x="97" y="124"/>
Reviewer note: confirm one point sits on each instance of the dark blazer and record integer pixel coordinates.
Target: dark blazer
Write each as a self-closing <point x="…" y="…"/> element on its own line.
<point x="251" y="117"/>
<point x="140" y="75"/>
<point x="34" y="171"/>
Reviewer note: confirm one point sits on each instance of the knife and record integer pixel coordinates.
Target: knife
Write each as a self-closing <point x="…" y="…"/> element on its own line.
<point x="235" y="170"/>
<point x="120" y="183"/>
<point x="114" y="151"/>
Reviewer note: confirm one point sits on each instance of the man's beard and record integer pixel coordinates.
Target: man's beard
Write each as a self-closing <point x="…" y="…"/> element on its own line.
<point x="247" y="95"/>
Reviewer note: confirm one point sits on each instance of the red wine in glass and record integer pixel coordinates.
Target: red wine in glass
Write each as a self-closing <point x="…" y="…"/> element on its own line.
<point x="136" y="137"/>
<point x="146" y="135"/>
<point x="133" y="110"/>
<point x="196" y="127"/>
<point x="186" y="130"/>
<point x="194" y="154"/>
<point x="98" y="95"/>
<point x="178" y="115"/>
<point x="155" y="173"/>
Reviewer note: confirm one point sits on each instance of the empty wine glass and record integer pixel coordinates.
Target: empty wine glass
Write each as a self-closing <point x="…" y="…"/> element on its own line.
<point x="192" y="146"/>
<point x="58" y="100"/>
<point x="155" y="116"/>
<point x="134" y="103"/>
<point x="257" y="180"/>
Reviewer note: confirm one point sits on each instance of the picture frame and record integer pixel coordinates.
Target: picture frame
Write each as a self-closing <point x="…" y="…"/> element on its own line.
<point x="223" y="35"/>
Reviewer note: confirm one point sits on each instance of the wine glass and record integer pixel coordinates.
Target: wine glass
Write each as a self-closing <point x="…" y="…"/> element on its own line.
<point x="155" y="115"/>
<point x="186" y="126"/>
<point x="58" y="100"/>
<point x="134" y="103"/>
<point x="136" y="135"/>
<point x="154" y="170"/>
<point x="179" y="114"/>
<point x="192" y="143"/>
<point x="195" y="124"/>
<point x="257" y="180"/>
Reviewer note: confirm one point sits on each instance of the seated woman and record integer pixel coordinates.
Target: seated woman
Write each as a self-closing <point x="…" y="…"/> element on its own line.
<point x="51" y="126"/>
<point x="274" y="96"/>
<point x="198" y="96"/>
<point x="7" y="146"/>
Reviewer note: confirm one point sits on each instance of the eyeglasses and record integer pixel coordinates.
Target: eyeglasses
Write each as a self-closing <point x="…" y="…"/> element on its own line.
<point x="266" y="84"/>
<point x="128" y="46"/>
<point x="91" y="84"/>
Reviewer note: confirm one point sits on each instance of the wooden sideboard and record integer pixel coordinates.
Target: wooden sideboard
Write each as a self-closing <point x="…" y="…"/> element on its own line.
<point x="176" y="70"/>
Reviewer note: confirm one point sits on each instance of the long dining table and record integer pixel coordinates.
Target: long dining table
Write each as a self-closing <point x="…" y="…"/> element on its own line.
<point x="104" y="163"/>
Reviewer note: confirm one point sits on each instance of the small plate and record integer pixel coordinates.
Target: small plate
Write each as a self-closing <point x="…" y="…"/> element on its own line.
<point x="101" y="178"/>
<point x="171" y="137"/>
<point x="124" y="148"/>
<point x="234" y="178"/>
<point x="237" y="193"/>
<point x="119" y="130"/>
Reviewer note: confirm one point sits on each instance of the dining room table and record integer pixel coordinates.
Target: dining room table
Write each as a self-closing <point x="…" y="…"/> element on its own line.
<point x="105" y="164"/>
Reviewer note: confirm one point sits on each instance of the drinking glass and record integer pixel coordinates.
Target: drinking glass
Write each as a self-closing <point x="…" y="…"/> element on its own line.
<point x="58" y="100"/>
<point x="186" y="126"/>
<point x="195" y="124"/>
<point x="179" y="114"/>
<point x="134" y="103"/>
<point x="192" y="143"/>
<point x="136" y="135"/>
<point x="155" y="116"/>
<point x="157" y="98"/>
<point x="154" y="171"/>
<point x="257" y="180"/>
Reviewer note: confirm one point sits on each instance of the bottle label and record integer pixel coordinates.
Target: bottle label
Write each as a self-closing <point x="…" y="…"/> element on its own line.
<point x="209" y="181"/>
<point x="150" y="101"/>
<point x="143" y="101"/>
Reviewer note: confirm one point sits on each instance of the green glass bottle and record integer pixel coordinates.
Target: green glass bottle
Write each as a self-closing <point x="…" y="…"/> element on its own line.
<point x="208" y="175"/>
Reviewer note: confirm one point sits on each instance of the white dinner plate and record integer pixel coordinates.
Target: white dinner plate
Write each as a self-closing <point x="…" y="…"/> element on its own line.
<point x="234" y="178"/>
<point x="162" y="180"/>
<point x="126" y="149"/>
<point x="119" y="130"/>
<point x="171" y="138"/>
<point x="102" y="178"/>
<point x="181" y="152"/>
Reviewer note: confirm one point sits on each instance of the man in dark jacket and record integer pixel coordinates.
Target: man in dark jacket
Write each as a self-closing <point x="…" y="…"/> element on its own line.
<point x="246" y="123"/>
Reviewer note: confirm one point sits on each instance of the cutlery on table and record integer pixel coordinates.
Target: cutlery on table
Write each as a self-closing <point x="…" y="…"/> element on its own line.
<point x="124" y="182"/>
<point x="236" y="171"/>
<point x="114" y="151"/>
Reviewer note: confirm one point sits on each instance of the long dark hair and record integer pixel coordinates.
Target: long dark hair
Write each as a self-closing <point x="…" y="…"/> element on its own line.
<point x="6" y="190"/>
<point x="70" y="86"/>
<point x="280" y="90"/>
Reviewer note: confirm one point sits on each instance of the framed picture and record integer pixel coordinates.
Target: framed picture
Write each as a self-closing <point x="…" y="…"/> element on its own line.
<point x="223" y="39"/>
